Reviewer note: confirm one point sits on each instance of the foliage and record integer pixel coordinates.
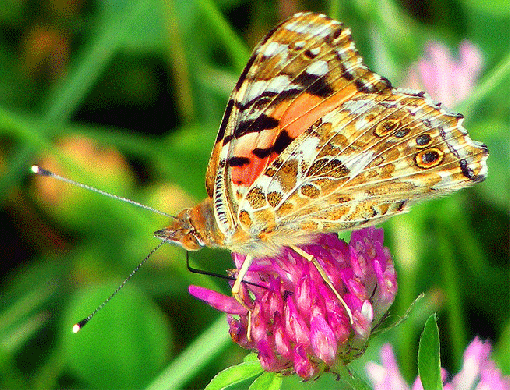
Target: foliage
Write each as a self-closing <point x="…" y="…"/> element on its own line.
<point x="127" y="96"/>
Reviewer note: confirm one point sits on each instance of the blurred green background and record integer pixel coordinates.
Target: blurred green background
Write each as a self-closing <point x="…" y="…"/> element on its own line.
<point x="127" y="96"/>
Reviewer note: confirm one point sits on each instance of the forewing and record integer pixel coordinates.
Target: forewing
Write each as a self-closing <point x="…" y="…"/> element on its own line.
<point x="303" y="69"/>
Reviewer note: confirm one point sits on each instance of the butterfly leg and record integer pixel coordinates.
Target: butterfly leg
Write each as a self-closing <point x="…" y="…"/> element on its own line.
<point x="236" y="290"/>
<point x="325" y="277"/>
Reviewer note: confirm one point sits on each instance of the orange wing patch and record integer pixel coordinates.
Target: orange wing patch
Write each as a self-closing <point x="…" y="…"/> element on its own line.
<point x="255" y="151"/>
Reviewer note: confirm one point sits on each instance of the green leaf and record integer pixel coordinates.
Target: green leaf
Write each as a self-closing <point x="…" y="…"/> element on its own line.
<point x="267" y="381"/>
<point x="429" y="361"/>
<point x="236" y="48"/>
<point x="354" y="384"/>
<point x="234" y="375"/>
<point x="124" y="346"/>
<point x="499" y="8"/>
<point x="195" y="357"/>
<point x="349" y="380"/>
<point x="251" y="358"/>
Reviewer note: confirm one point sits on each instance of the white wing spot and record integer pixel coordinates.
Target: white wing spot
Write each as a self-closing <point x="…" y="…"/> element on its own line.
<point x="306" y="28"/>
<point x="297" y="26"/>
<point x="357" y="107"/>
<point x="322" y="31"/>
<point x="308" y="149"/>
<point x="274" y="48"/>
<point x="299" y="44"/>
<point x="318" y="68"/>
<point x="257" y="88"/>
<point x="344" y="50"/>
<point x="315" y="51"/>
<point x="358" y="163"/>
<point x="279" y="84"/>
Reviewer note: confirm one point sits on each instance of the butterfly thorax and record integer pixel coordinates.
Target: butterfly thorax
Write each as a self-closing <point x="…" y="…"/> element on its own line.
<point x="193" y="228"/>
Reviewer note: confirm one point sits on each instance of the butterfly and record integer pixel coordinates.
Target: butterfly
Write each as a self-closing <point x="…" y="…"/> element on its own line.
<point x="312" y="142"/>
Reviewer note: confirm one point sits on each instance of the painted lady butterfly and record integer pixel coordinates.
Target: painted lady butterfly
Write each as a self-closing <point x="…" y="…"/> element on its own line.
<point x="312" y="141"/>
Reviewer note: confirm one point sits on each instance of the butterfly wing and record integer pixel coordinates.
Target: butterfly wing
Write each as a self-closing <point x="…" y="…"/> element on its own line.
<point x="279" y="95"/>
<point x="365" y="161"/>
<point x="313" y="141"/>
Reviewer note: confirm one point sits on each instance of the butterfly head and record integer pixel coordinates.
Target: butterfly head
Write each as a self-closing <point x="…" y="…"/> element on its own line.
<point x="182" y="232"/>
<point x="193" y="228"/>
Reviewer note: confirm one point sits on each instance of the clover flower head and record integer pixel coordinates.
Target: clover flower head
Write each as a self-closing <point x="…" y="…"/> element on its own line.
<point x="445" y="78"/>
<point x="298" y="322"/>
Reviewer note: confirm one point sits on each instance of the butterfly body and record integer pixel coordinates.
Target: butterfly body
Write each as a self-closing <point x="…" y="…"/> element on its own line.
<point x="195" y="228"/>
<point x="313" y="142"/>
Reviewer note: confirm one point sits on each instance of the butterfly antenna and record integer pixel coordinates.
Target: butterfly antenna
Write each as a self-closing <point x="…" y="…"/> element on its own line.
<point x="77" y="327"/>
<point x="43" y="172"/>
